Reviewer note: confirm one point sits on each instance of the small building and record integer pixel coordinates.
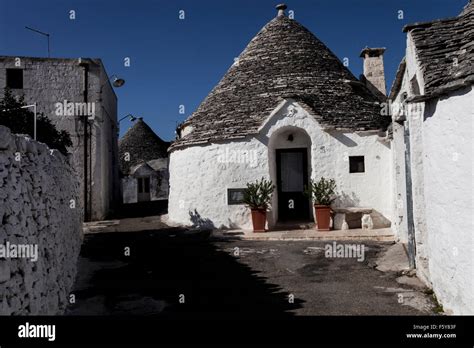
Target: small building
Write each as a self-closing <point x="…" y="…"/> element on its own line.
<point x="433" y="113"/>
<point x="77" y="96"/>
<point x="143" y="165"/>
<point x="287" y="110"/>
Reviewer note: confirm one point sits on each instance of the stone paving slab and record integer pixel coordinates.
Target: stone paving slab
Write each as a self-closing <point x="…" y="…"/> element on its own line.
<point x="149" y="223"/>
<point x="381" y="235"/>
<point x="154" y="223"/>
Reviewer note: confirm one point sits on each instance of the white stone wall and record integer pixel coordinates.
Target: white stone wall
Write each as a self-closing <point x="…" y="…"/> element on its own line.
<point x="201" y="175"/>
<point x="415" y="124"/>
<point x="36" y="188"/>
<point x="47" y="81"/>
<point x="398" y="146"/>
<point x="441" y="145"/>
<point x="399" y="223"/>
<point x="199" y="180"/>
<point x="105" y="192"/>
<point x="448" y="143"/>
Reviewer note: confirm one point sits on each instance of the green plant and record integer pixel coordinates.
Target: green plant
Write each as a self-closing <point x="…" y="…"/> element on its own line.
<point x="321" y="192"/>
<point x="20" y="121"/>
<point x="437" y="307"/>
<point x="257" y="195"/>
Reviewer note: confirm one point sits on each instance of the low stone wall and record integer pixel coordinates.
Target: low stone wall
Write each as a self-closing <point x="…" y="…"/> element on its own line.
<point x="41" y="227"/>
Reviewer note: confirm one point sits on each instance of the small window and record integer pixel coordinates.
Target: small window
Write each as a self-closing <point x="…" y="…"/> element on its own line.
<point x="15" y="78"/>
<point x="415" y="87"/>
<point x="143" y="185"/>
<point x="356" y="164"/>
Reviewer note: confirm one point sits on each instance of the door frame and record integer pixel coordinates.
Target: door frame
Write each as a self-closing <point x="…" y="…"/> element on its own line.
<point x="304" y="151"/>
<point x="143" y="196"/>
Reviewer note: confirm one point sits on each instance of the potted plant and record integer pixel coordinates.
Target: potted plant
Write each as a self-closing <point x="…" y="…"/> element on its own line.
<point x="257" y="197"/>
<point x="322" y="193"/>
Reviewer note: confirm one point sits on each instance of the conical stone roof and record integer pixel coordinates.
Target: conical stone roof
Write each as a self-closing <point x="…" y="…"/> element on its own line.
<point x="142" y="144"/>
<point x="283" y="60"/>
<point x="445" y="51"/>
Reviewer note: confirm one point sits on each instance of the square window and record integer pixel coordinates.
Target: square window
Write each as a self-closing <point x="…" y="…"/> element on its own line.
<point x="15" y="78"/>
<point x="356" y="164"/>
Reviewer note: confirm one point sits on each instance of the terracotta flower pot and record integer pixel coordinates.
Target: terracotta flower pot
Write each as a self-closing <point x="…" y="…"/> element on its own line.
<point x="323" y="217"/>
<point x="259" y="218"/>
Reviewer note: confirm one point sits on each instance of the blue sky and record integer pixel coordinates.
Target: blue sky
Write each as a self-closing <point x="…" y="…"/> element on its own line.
<point x="177" y="62"/>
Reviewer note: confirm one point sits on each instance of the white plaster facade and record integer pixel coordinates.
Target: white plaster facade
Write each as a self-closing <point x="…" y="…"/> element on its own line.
<point x="448" y="134"/>
<point x="200" y="175"/>
<point x="442" y="147"/>
<point x="415" y="111"/>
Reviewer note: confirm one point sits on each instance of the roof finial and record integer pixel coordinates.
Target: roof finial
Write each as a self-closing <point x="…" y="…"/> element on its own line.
<point x="281" y="9"/>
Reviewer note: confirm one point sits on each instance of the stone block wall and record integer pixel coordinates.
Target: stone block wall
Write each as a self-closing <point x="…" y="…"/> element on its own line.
<point x="41" y="218"/>
<point x="48" y="81"/>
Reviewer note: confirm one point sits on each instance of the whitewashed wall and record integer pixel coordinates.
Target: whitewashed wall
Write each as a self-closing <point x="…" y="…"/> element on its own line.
<point x="448" y="143"/>
<point x="415" y="119"/>
<point x="48" y="81"/>
<point x="441" y="145"/>
<point x="36" y="189"/>
<point x="398" y="147"/>
<point x="199" y="178"/>
<point x="399" y="223"/>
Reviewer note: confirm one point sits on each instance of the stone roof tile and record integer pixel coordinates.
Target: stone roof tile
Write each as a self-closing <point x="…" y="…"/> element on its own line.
<point x="284" y="59"/>
<point x="445" y="51"/>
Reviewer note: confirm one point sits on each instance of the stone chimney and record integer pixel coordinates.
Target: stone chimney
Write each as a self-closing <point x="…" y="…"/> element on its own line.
<point x="374" y="74"/>
<point x="281" y="9"/>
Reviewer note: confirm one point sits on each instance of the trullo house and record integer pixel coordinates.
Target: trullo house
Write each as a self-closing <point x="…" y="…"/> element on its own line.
<point x="287" y="110"/>
<point x="143" y="165"/>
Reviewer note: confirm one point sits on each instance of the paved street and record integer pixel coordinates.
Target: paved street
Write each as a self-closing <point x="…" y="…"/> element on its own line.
<point x="179" y="273"/>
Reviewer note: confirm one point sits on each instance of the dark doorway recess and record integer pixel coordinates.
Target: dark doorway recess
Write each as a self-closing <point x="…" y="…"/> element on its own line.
<point x="292" y="179"/>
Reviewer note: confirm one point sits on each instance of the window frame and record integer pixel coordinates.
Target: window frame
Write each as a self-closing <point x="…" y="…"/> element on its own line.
<point x="356" y="165"/>
<point x="143" y="184"/>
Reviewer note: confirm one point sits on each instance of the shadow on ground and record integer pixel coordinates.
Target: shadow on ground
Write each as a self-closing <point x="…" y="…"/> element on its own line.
<point x="141" y="209"/>
<point x="167" y="267"/>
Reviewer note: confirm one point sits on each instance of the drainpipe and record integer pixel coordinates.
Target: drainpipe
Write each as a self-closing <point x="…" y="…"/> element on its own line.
<point x="409" y="195"/>
<point x="85" y="81"/>
<point x="91" y="126"/>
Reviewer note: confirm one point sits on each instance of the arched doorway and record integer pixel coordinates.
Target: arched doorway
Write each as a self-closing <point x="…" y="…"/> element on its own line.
<point x="289" y="153"/>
